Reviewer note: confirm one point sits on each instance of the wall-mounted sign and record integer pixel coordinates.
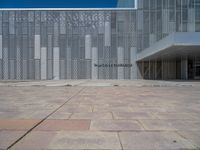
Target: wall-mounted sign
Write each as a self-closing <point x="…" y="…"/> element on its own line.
<point x="113" y="65"/>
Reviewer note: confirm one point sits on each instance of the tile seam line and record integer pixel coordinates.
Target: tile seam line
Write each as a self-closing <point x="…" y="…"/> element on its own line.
<point x="120" y="141"/>
<point x="54" y="111"/>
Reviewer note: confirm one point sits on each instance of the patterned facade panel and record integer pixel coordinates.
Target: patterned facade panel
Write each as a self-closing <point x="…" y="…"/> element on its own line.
<point x="46" y="45"/>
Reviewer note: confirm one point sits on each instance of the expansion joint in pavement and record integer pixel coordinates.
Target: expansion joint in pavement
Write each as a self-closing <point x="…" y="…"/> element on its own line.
<point x="120" y="140"/>
<point x="54" y="111"/>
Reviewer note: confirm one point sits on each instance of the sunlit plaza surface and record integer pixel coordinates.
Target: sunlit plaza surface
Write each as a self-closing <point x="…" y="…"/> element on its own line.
<point x="99" y="115"/>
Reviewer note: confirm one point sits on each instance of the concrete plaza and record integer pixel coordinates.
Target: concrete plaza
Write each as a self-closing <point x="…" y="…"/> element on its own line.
<point x="99" y="115"/>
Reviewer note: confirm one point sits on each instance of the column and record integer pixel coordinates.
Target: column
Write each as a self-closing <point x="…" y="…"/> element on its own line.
<point x="120" y="60"/>
<point x="94" y="61"/>
<point x="88" y="46"/>
<point x="56" y="63"/>
<point x="184" y="68"/>
<point x="43" y="63"/>
<point x="134" y="68"/>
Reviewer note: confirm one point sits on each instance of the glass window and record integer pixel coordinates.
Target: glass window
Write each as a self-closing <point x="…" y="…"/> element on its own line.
<point x="197" y="27"/>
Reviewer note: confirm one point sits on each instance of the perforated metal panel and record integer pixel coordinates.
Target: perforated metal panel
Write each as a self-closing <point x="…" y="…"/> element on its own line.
<point x="51" y="44"/>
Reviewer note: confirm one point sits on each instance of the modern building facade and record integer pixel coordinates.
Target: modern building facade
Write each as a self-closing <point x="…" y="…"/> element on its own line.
<point x="157" y="39"/>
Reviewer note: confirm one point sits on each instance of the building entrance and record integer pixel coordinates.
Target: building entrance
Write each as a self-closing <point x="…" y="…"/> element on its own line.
<point x="194" y="69"/>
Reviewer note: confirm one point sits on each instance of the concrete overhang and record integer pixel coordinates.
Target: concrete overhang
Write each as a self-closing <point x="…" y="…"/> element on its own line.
<point x="176" y="45"/>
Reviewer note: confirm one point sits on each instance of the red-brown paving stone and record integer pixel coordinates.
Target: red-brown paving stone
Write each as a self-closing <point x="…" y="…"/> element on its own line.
<point x="59" y="125"/>
<point x="12" y="124"/>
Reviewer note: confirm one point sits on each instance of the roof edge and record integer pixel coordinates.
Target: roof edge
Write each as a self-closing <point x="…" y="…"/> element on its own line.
<point x="71" y="9"/>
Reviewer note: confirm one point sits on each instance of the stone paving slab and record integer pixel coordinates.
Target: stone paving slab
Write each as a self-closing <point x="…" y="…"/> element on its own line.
<point x="171" y="125"/>
<point x="9" y="137"/>
<point x="177" y="116"/>
<point x="153" y="141"/>
<point x="58" y="125"/>
<point x="85" y="140"/>
<point x="76" y="108"/>
<point x="60" y="115"/>
<point x="92" y="115"/>
<point x="131" y="107"/>
<point x="8" y="124"/>
<point x="115" y="125"/>
<point x="37" y="140"/>
<point x="192" y="136"/>
<point x="132" y="115"/>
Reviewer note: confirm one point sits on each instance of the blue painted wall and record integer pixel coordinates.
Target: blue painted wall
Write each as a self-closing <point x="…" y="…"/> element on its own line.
<point x="58" y="3"/>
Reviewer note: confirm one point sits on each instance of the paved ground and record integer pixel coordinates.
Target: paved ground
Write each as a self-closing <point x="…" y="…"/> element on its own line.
<point x="100" y="115"/>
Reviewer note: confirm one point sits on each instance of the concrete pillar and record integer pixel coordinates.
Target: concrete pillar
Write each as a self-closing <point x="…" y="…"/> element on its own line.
<point x="120" y="60"/>
<point x="88" y="46"/>
<point x="94" y="61"/>
<point x="134" y="69"/>
<point x="43" y="63"/>
<point x="37" y="47"/>
<point x="107" y="34"/>
<point x="184" y="68"/>
<point x="56" y="63"/>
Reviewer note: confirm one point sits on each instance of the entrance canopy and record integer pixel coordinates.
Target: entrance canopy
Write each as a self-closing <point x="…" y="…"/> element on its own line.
<point x="176" y="45"/>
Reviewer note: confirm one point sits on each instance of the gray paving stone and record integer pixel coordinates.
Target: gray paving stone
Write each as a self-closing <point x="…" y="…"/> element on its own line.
<point x="167" y="125"/>
<point x="37" y="140"/>
<point x="92" y="115"/>
<point x="132" y="115"/>
<point x="178" y="116"/>
<point x="192" y="136"/>
<point x="9" y="137"/>
<point x="134" y="104"/>
<point x="85" y="140"/>
<point x="60" y="115"/>
<point x="115" y="125"/>
<point x="153" y="141"/>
